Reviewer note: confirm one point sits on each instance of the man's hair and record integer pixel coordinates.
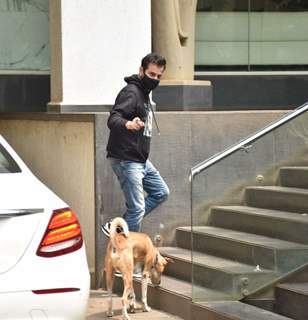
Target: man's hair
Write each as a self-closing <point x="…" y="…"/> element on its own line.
<point x="153" y="58"/>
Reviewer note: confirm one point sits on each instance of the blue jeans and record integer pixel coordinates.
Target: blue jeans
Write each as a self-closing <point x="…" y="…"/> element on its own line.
<point x="135" y="178"/>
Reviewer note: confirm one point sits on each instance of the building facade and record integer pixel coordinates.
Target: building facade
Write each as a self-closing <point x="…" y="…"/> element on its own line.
<point x="62" y="63"/>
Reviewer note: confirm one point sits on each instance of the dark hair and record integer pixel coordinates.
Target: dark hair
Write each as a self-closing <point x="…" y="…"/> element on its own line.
<point x="153" y="58"/>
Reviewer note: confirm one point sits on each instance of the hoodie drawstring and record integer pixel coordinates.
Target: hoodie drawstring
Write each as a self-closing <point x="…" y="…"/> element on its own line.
<point x="158" y="131"/>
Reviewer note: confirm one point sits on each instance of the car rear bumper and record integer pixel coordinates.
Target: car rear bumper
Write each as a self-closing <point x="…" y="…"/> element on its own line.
<point x="61" y="306"/>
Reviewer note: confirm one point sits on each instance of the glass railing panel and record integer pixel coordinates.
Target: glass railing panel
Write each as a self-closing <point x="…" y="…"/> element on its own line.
<point x="249" y="215"/>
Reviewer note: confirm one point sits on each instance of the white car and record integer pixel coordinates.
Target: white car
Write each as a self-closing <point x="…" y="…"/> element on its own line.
<point x="43" y="267"/>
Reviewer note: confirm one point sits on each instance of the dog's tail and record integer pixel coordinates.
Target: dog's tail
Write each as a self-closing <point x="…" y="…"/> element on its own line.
<point x="116" y="224"/>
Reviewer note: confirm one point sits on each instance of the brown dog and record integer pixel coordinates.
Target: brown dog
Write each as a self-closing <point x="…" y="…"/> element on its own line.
<point x="124" y="251"/>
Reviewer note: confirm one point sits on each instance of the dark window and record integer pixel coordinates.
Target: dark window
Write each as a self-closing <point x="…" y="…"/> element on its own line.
<point x="268" y="35"/>
<point x="254" y="5"/>
<point x="7" y="163"/>
<point x="222" y="5"/>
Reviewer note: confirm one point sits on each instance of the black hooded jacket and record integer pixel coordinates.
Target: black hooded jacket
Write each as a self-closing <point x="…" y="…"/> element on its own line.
<point x="132" y="101"/>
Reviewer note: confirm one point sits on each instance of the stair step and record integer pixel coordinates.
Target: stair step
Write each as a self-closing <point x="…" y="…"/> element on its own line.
<point x="294" y="177"/>
<point x="215" y="272"/>
<point x="272" y="223"/>
<point x="206" y="260"/>
<point x="173" y="295"/>
<point x="235" y="310"/>
<point x="292" y="300"/>
<point x="244" y="247"/>
<point x="279" y="198"/>
<point x="301" y="288"/>
<point x="265" y="302"/>
<point x="185" y="288"/>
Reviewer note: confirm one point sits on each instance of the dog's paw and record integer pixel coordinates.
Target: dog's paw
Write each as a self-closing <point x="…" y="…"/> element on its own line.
<point x="109" y="314"/>
<point x="126" y="317"/>
<point x="146" y="309"/>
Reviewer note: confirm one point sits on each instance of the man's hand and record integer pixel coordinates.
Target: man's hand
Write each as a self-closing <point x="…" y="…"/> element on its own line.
<point x="135" y="124"/>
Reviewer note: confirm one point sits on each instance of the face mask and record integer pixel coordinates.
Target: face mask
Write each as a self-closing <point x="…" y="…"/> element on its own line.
<point x="149" y="83"/>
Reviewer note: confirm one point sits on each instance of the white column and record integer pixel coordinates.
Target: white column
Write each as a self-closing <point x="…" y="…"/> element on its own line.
<point x="94" y="44"/>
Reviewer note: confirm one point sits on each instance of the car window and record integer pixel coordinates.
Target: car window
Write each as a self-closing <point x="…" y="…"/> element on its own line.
<point x="7" y="163"/>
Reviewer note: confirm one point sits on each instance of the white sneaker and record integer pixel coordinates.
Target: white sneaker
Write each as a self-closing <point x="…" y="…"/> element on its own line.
<point x="137" y="276"/>
<point x="106" y="228"/>
<point x="137" y="272"/>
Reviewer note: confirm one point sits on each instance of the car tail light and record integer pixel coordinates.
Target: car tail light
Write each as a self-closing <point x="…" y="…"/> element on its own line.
<point x="63" y="234"/>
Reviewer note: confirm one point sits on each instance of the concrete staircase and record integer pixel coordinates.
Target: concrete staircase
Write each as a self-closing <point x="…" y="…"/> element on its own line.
<point x="241" y="249"/>
<point x="292" y="300"/>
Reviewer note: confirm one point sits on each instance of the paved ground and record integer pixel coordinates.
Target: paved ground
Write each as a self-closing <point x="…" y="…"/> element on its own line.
<point x="98" y="305"/>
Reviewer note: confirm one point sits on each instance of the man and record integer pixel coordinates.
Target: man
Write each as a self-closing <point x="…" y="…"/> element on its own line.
<point x="130" y="124"/>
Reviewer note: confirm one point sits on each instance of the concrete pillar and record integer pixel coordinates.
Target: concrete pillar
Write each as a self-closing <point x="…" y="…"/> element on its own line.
<point x="173" y="29"/>
<point x="94" y="44"/>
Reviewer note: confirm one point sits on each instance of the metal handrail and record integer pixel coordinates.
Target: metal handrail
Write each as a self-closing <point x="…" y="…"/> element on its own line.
<point x="243" y="144"/>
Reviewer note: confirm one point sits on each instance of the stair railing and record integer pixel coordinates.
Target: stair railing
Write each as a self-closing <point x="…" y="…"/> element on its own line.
<point x="246" y="142"/>
<point x="195" y="184"/>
